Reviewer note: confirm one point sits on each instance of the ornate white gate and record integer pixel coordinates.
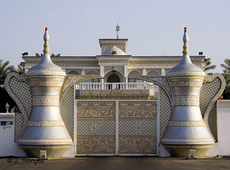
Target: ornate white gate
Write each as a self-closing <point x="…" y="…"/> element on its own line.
<point x="116" y="127"/>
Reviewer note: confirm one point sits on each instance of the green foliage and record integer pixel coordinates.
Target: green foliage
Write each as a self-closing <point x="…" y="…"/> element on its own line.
<point x="208" y="65"/>
<point x="20" y="69"/>
<point x="226" y="74"/>
<point x="52" y="55"/>
<point x="38" y="55"/>
<point x="4" y="70"/>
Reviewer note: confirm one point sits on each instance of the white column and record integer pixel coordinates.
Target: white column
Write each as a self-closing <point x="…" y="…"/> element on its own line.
<point x="126" y="73"/>
<point x="144" y="72"/>
<point x="82" y="72"/>
<point x="163" y="71"/>
<point x="102" y="73"/>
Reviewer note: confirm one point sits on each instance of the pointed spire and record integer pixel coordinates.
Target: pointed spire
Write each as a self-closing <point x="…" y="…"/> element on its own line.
<point x="185" y="39"/>
<point x="46" y="44"/>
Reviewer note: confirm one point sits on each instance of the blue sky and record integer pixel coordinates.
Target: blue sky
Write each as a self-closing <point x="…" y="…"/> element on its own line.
<point x="152" y="27"/>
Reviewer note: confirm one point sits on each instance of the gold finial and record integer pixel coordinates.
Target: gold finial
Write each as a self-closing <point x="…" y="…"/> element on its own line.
<point x="185" y="39"/>
<point x="46" y="44"/>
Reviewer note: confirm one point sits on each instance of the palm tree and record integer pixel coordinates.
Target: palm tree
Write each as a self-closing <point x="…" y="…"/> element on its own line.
<point x="38" y="55"/>
<point x="4" y="70"/>
<point x="20" y="69"/>
<point x="5" y="98"/>
<point x="55" y="55"/>
<point x="208" y="65"/>
<point x="226" y="70"/>
<point x="52" y="55"/>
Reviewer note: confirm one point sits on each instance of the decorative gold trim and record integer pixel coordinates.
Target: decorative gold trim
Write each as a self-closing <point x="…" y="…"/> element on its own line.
<point x="46" y="83"/>
<point x="59" y="73"/>
<point x="186" y="83"/>
<point x="188" y="140"/>
<point x="54" y="140"/>
<point x="47" y="123"/>
<point x="188" y="146"/>
<point x="48" y="100"/>
<point x="198" y="123"/>
<point x="45" y="146"/>
<point x="186" y="73"/>
<point x="189" y="100"/>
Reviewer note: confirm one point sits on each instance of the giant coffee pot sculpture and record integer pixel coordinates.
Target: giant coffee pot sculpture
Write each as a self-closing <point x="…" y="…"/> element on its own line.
<point x="186" y="129"/>
<point x="45" y="129"/>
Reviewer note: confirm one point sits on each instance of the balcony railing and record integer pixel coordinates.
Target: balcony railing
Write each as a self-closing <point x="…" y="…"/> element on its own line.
<point x="121" y="86"/>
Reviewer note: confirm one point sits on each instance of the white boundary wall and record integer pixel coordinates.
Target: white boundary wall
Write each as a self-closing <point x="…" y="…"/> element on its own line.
<point x="223" y="124"/>
<point x="7" y="145"/>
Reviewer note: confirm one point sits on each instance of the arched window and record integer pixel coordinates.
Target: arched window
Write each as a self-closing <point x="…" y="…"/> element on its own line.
<point x="113" y="78"/>
<point x="73" y="72"/>
<point x="153" y="73"/>
<point x="133" y="74"/>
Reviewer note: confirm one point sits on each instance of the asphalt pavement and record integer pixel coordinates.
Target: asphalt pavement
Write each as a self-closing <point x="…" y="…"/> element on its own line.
<point x="116" y="163"/>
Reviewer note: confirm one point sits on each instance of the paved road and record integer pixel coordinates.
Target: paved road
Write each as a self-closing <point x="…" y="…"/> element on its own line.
<point x="116" y="163"/>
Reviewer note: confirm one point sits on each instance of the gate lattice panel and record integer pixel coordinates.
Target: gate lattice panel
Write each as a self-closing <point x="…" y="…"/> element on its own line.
<point x="95" y="127"/>
<point x="116" y="127"/>
<point x="137" y="127"/>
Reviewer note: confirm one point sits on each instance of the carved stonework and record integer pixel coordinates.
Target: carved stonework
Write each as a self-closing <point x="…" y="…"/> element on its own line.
<point x="191" y="100"/>
<point x="95" y="127"/>
<point x="187" y="123"/>
<point x="66" y="63"/>
<point x="167" y="63"/>
<point x="116" y="94"/>
<point x="48" y="123"/>
<point x="137" y="127"/>
<point x="48" y="101"/>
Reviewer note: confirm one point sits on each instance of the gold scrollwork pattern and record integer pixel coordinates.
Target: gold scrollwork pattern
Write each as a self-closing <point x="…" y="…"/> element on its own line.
<point x="47" y="123"/>
<point x="45" y="83"/>
<point x="46" y="101"/>
<point x="189" y="140"/>
<point x="44" y="146"/>
<point x="46" y="72"/>
<point x="137" y="127"/>
<point x="187" y="83"/>
<point x="55" y="140"/>
<point x="189" y="146"/>
<point x="186" y="73"/>
<point x="187" y="123"/>
<point x="192" y="100"/>
<point x="95" y="127"/>
<point x="116" y="94"/>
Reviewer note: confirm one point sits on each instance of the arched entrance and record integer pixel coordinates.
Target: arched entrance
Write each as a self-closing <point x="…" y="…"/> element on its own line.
<point x="113" y="78"/>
